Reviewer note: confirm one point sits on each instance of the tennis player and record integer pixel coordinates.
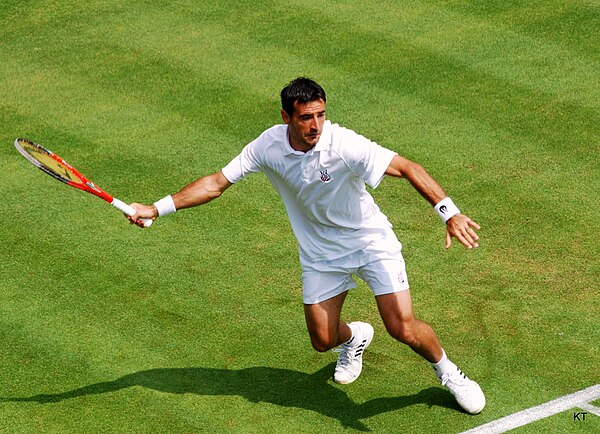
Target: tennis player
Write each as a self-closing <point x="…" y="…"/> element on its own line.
<point x="320" y="170"/>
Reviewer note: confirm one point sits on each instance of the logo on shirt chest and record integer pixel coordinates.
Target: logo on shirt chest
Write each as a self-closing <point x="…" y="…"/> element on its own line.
<point x="325" y="177"/>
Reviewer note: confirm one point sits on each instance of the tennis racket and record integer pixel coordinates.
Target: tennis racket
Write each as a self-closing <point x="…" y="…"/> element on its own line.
<point x="58" y="168"/>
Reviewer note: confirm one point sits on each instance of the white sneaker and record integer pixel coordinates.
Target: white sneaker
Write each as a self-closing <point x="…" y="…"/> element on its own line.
<point x="349" y="363"/>
<point x="467" y="392"/>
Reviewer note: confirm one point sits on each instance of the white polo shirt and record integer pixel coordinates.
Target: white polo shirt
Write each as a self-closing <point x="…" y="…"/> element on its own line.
<point x="331" y="212"/>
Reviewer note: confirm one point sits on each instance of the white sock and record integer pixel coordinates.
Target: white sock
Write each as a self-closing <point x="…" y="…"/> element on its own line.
<point x="354" y="330"/>
<point x="444" y="366"/>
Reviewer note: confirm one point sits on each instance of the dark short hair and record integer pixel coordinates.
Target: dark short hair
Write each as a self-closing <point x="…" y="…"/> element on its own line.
<point x="301" y="90"/>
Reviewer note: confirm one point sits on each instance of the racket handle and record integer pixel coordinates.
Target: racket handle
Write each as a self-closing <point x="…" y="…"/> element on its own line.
<point x="123" y="207"/>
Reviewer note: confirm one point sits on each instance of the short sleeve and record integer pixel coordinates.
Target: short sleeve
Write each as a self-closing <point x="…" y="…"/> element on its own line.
<point x="366" y="159"/>
<point x="245" y="163"/>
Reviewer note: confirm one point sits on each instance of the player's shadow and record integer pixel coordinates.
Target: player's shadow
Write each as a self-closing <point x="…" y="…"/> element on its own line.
<point x="282" y="387"/>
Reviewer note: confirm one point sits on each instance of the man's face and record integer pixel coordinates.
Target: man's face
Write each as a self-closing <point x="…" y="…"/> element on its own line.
<point x="306" y="124"/>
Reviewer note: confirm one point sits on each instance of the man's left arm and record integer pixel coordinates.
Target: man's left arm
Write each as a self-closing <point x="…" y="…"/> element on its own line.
<point x="458" y="225"/>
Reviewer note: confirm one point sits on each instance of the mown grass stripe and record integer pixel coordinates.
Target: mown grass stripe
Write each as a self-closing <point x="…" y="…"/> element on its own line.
<point x="505" y="150"/>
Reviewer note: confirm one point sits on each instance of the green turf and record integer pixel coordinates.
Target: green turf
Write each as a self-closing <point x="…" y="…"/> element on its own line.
<point x="197" y="324"/>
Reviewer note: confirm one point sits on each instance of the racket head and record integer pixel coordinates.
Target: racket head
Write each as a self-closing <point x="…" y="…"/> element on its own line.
<point x="47" y="161"/>
<point x="59" y="169"/>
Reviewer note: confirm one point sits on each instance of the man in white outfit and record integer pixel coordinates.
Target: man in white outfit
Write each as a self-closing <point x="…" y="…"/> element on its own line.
<point x="320" y="170"/>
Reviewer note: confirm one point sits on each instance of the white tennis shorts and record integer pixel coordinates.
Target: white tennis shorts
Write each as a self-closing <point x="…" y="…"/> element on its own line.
<point x="380" y="264"/>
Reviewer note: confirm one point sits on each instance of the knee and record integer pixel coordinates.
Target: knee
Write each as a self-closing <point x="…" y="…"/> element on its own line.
<point x="404" y="332"/>
<point x="322" y="342"/>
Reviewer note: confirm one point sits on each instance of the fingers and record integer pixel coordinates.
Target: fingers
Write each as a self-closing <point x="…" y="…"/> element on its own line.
<point x="141" y="223"/>
<point x="136" y="221"/>
<point x="469" y="234"/>
<point x="462" y="229"/>
<point x="466" y="240"/>
<point x="473" y="224"/>
<point x="142" y="214"/>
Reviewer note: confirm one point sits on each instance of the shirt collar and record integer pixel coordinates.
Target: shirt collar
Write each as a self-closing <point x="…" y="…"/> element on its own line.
<point x="325" y="139"/>
<point x="287" y="146"/>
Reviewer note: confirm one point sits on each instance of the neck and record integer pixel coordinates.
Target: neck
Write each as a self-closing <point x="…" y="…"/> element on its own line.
<point x="301" y="147"/>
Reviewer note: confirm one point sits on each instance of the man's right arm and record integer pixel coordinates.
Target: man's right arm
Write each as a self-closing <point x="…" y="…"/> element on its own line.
<point x="201" y="191"/>
<point x="207" y="188"/>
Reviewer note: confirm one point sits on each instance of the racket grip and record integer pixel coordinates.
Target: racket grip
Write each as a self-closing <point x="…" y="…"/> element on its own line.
<point x="123" y="207"/>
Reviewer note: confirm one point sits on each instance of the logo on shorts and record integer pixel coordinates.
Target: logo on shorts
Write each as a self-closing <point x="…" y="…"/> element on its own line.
<point x="400" y="277"/>
<point x="325" y="177"/>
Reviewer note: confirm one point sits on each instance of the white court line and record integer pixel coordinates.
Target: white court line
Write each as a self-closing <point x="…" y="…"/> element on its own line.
<point x="590" y="409"/>
<point x="564" y="403"/>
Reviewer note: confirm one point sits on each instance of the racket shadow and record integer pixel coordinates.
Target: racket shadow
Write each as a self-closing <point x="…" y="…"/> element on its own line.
<point x="282" y="387"/>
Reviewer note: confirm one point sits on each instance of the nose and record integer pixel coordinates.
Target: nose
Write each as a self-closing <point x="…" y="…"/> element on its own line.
<point x="314" y="124"/>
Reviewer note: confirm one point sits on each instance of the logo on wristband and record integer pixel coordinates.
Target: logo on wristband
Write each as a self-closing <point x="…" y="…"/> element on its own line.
<point x="443" y="209"/>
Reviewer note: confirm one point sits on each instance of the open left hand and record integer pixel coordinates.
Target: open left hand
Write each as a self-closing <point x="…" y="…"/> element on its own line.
<point x="461" y="227"/>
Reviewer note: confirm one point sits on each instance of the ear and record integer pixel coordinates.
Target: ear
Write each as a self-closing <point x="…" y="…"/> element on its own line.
<point x="285" y="117"/>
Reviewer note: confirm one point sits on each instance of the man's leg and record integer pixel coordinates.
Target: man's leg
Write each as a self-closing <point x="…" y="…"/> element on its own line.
<point x="397" y="314"/>
<point x="328" y="331"/>
<point x="325" y="327"/>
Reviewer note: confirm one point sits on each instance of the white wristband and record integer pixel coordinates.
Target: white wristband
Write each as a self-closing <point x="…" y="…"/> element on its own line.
<point x="165" y="206"/>
<point x="446" y="209"/>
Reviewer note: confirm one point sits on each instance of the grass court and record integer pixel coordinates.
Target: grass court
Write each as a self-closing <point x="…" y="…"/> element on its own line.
<point x="196" y="324"/>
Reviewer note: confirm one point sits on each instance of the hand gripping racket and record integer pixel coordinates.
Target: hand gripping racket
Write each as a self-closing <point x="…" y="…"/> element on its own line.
<point x="58" y="168"/>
